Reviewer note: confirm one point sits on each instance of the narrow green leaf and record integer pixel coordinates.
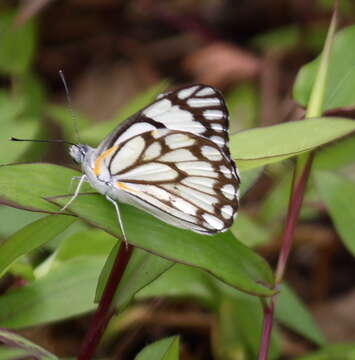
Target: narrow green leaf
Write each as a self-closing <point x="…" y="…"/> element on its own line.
<point x="339" y="91"/>
<point x="17" y="44"/>
<point x="261" y="146"/>
<point x="13" y="219"/>
<point x="11" y="353"/>
<point x="332" y="352"/>
<point x="336" y="155"/>
<point x="20" y="343"/>
<point x="249" y="232"/>
<point x="222" y="255"/>
<point x="316" y="100"/>
<point x="143" y="268"/>
<point x="292" y="313"/>
<point x="243" y="311"/>
<point x="31" y="237"/>
<point x="239" y="315"/>
<point x="91" y="242"/>
<point x="165" y="349"/>
<point x="88" y="242"/>
<point x="338" y="194"/>
<point x="181" y="282"/>
<point x="27" y="185"/>
<point x="66" y="291"/>
<point x="239" y="329"/>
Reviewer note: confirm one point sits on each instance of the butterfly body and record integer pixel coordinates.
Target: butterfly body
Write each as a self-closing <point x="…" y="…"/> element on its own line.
<point x="172" y="160"/>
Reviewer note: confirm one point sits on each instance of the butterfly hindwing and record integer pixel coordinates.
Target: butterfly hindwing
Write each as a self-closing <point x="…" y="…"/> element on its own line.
<point x="180" y="177"/>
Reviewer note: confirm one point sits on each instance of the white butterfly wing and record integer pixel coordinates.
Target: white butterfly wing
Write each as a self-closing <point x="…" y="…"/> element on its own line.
<point x="182" y="178"/>
<point x="198" y="109"/>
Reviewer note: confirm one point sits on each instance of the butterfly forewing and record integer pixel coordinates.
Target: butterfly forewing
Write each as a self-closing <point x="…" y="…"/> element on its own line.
<point x="198" y="109"/>
<point x="182" y="178"/>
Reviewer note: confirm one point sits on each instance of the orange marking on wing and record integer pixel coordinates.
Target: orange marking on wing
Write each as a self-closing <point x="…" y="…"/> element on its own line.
<point x="124" y="187"/>
<point x="101" y="158"/>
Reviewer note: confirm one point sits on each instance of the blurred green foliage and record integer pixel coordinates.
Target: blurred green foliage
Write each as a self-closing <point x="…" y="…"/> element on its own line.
<point x="63" y="285"/>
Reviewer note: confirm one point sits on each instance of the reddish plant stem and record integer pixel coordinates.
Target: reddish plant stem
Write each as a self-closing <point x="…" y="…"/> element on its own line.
<point x="294" y="208"/>
<point x="267" y="327"/>
<point x="104" y="311"/>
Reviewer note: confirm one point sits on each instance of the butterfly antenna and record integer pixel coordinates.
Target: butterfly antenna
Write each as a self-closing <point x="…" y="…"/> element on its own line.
<point x="70" y="103"/>
<point x="44" y="141"/>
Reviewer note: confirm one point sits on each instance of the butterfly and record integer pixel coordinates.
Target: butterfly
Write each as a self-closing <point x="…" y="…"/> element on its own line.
<point x="170" y="159"/>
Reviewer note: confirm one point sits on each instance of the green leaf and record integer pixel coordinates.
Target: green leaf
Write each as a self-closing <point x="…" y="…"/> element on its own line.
<point x="222" y="254"/>
<point x="17" y="44"/>
<point x="261" y="146"/>
<point x="292" y="313"/>
<point x="96" y="133"/>
<point x="24" y="128"/>
<point x="31" y="237"/>
<point x="316" y="99"/>
<point x="336" y="155"/>
<point x="92" y="242"/>
<point x="249" y="232"/>
<point x="19" y="343"/>
<point x="181" y="282"/>
<point x="338" y="194"/>
<point x="142" y="269"/>
<point x="88" y="242"/>
<point x="272" y="209"/>
<point x="239" y="329"/>
<point x="66" y="291"/>
<point x="239" y="316"/>
<point x="332" y="352"/>
<point x="13" y="219"/>
<point x="11" y="353"/>
<point x="27" y="185"/>
<point x="339" y="91"/>
<point x="165" y="349"/>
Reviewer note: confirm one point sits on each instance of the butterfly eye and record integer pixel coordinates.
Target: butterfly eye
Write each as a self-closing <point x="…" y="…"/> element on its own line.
<point x="78" y="152"/>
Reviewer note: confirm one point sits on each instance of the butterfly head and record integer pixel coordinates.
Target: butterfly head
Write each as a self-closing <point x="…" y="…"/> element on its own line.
<point x="78" y="152"/>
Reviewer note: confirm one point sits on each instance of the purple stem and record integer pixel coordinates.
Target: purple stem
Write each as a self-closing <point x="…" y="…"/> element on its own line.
<point x="104" y="311"/>
<point x="294" y="208"/>
<point x="267" y="327"/>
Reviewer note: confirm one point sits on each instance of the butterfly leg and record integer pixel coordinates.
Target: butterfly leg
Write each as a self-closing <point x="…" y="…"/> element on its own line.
<point x="77" y="191"/>
<point x="118" y="217"/>
<point x="75" y="178"/>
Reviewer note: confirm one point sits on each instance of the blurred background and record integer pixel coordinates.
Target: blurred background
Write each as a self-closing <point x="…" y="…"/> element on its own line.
<point x="116" y="56"/>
